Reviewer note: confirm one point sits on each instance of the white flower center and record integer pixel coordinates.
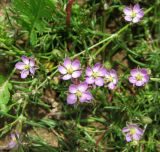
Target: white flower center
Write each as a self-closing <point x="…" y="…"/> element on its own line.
<point x="95" y="74"/>
<point x="70" y="70"/>
<point x="132" y="131"/>
<point x="139" y="77"/>
<point x="134" y="14"/>
<point x="78" y="93"/>
<point x="27" y="67"/>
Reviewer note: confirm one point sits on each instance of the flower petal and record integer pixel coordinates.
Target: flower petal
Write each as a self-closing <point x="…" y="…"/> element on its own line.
<point x="20" y="66"/>
<point x="67" y="63"/>
<point x="139" y="131"/>
<point x="76" y="65"/>
<point x="136" y="137"/>
<point x="134" y="72"/>
<point x="89" y="71"/>
<point x="71" y="99"/>
<point x="32" y="70"/>
<point x="127" y="11"/>
<point x="136" y="20"/>
<point x="83" y="98"/>
<point x="89" y="80"/>
<point x="67" y="77"/>
<point x="128" y="18"/>
<point x="99" y="81"/>
<point x="96" y="67"/>
<point x="102" y="72"/>
<point x="12" y="144"/>
<point x="145" y="79"/>
<point x="144" y="71"/>
<point x="82" y="87"/>
<point x="128" y="137"/>
<point x="111" y="86"/>
<point x="139" y="83"/>
<point x="24" y="74"/>
<point x="62" y="70"/>
<point x="25" y="59"/>
<point x="140" y="14"/>
<point x="72" y="88"/>
<point x="32" y="62"/>
<point x="87" y="96"/>
<point x="76" y="74"/>
<point x="125" y="129"/>
<point x="136" y="8"/>
<point x="132" y="80"/>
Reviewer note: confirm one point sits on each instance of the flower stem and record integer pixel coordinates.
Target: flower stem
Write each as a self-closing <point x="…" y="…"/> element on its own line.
<point x="68" y="11"/>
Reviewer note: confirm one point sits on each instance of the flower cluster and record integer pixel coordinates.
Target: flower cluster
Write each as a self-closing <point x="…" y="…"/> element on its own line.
<point x="95" y="76"/>
<point x="132" y="132"/>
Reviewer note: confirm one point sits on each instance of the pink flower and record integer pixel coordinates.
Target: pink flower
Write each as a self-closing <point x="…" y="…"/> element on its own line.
<point x="27" y="66"/>
<point x="70" y="69"/>
<point x="14" y="143"/>
<point x="133" y="14"/>
<point x="139" y="77"/>
<point x="79" y="92"/>
<point x="132" y="132"/>
<point x="111" y="79"/>
<point x="95" y="75"/>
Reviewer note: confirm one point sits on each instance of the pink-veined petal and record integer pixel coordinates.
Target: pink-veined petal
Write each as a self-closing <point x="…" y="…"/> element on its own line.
<point x="24" y="74"/>
<point x="66" y="77"/>
<point x="136" y="20"/>
<point x="71" y="99"/>
<point x="62" y="70"/>
<point x="99" y="82"/>
<point x="89" y="71"/>
<point x="96" y="67"/>
<point x="72" y="88"/>
<point x="25" y="59"/>
<point x="67" y="63"/>
<point x="76" y="65"/>
<point x="89" y="80"/>
<point x="32" y="62"/>
<point x="128" y="18"/>
<point x="32" y="70"/>
<point x="20" y="66"/>
<point x="82" y="87"/>
<point x="76" y="74"/>
<point x="127" y="11"/>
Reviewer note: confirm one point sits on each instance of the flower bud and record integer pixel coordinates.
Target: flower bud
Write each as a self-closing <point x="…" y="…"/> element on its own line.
<point x="146" y="120"/>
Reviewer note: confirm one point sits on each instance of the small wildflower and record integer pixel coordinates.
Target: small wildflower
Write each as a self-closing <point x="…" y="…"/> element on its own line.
<point x="79" y="92"/>
<point x="132" y="132"/>
<point x="111" y="79"/>
<point x="13" y="143"/>
<point x="95" y="75"/>
<point x="133" y="14"/>
<point x="139" y="77"/>
<point x="70" y="69"/>
<point x="26" y="67"/>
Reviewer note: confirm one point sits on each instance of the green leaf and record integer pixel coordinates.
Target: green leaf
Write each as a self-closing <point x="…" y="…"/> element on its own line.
<point x="4" y="94"/>
<point x="33" y="38"/>
<point x="33" y="14"/>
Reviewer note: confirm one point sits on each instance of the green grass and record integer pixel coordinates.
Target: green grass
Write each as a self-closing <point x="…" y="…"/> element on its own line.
<point x="38" y="29"/>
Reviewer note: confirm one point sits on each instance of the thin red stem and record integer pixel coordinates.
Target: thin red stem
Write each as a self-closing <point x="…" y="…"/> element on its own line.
<point x="68" y="11"/>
